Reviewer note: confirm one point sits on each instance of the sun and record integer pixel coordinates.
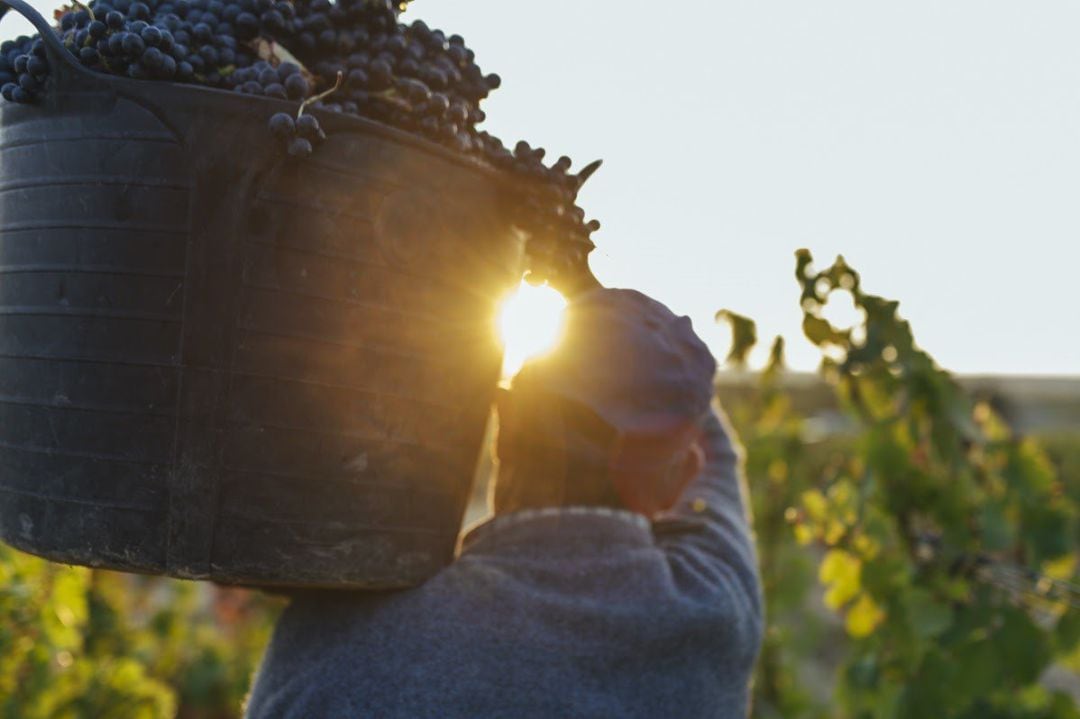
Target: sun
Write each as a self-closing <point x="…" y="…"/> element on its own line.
<point x="530" y="324"/>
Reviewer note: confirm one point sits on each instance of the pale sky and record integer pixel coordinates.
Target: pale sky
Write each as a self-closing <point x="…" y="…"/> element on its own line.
<point x="935" y="144"/>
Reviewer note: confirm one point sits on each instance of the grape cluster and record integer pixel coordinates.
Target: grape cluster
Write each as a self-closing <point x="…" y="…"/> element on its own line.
<point x="284" y="82"/>
<point x="23" y="69"/>
<point x="409" y="76"/>
<point x="195" y="41"/>
<point x="351" y="56"/>
<point x="300" y="135"/>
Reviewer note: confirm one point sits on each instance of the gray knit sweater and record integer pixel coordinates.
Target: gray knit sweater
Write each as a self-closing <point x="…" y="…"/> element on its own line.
<point x="557" y="613"/>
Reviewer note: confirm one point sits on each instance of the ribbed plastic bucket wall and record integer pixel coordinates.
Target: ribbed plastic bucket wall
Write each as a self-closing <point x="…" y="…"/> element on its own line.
<point x="218" y="362"/>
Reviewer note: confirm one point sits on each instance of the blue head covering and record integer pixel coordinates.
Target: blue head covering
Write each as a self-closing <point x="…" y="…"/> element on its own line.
<point x="641" y="370"/>
<point x="628" y="358"/>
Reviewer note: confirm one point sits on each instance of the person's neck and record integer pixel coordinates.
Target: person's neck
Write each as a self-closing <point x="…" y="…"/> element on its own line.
<point x="516" y="491"/>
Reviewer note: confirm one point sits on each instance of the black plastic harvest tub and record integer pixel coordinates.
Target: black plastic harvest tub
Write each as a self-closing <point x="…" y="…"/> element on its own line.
<point x="218" y="362"/>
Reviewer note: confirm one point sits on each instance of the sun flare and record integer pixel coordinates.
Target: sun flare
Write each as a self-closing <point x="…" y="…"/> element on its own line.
<point x="530" y="323"/>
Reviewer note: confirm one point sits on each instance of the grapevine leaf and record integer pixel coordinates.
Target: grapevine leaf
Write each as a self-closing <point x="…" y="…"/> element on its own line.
<point x="816" y="505"/>
<point x="1067" y="631"/>
<point x="1049" y="532"/>
<point x="978" y="671"/>
<point x="840" y="571"/>
<point x="931" y="690"/>
<point x="775" y="365"/>
<point x="884" y="575"/>
<point x="1022" y="648"/>
<point x="997" y="532"/>
<point x="928" y="617"/>
<point x="743" y="336"/>
<point x="1062" y="706"/>
<point x="804" y="265"/>
<point x="864" y="672"/>
<point x="63" y="10"/>
<point x="819" y="331"/>
<point x="864" y="617"/>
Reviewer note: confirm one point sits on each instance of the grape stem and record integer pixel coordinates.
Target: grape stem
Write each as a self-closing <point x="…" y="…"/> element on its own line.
<point x="587" y="171"/>
<point x="85" y="7"/>
<point x="321" y="95"/>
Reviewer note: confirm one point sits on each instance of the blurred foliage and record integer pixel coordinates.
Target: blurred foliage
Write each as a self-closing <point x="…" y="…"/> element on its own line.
<point x="78" y="642"/>
<point x="945" y="546"/>
<point x="922" y="565"/>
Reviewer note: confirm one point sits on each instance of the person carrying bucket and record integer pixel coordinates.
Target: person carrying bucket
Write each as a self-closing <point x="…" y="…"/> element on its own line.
<point x="616" y="578"/>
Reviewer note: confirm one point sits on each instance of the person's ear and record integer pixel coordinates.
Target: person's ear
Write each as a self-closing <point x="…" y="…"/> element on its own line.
<point x="695" y="462"/>
<point x="692" y="464"/>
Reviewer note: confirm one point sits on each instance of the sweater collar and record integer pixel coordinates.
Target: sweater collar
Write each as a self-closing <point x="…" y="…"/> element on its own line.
<point x="554" y="526"/>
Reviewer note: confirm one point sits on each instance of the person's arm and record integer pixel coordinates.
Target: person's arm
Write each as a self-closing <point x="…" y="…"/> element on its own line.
<point x="707" y="534"/>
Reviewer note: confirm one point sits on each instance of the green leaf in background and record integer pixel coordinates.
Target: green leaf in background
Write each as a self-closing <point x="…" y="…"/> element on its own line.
<point x="928" y="616"/>
<point x="1023" y="648"/>
<point x="88" y="644"/>
<point x="743" y="336"/>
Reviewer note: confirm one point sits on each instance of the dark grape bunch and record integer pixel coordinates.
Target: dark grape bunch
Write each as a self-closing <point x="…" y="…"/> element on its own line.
<point x="353" y="57"/>
<point x="23" y="69"/>
<point x="300" y="135"/>
<point x="284" y="82"/>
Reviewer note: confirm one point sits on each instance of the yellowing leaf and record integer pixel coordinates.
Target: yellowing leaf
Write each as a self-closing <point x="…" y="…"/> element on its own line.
<point x="804" y="534"/>
<point x="1061" y="569"/>
<point x="867" y="546"/>
<point x="842" y="501"/>
<point x="842" y="493"/>
<point x="841" y="572"/>
<point x="864" y="617"/>
<point x="840" y="594"/>
<point x="834" y="532"/>
<point x="817" y="506"/>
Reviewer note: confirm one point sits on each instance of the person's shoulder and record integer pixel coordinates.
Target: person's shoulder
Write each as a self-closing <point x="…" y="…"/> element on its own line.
<point x="330" y="652"/>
